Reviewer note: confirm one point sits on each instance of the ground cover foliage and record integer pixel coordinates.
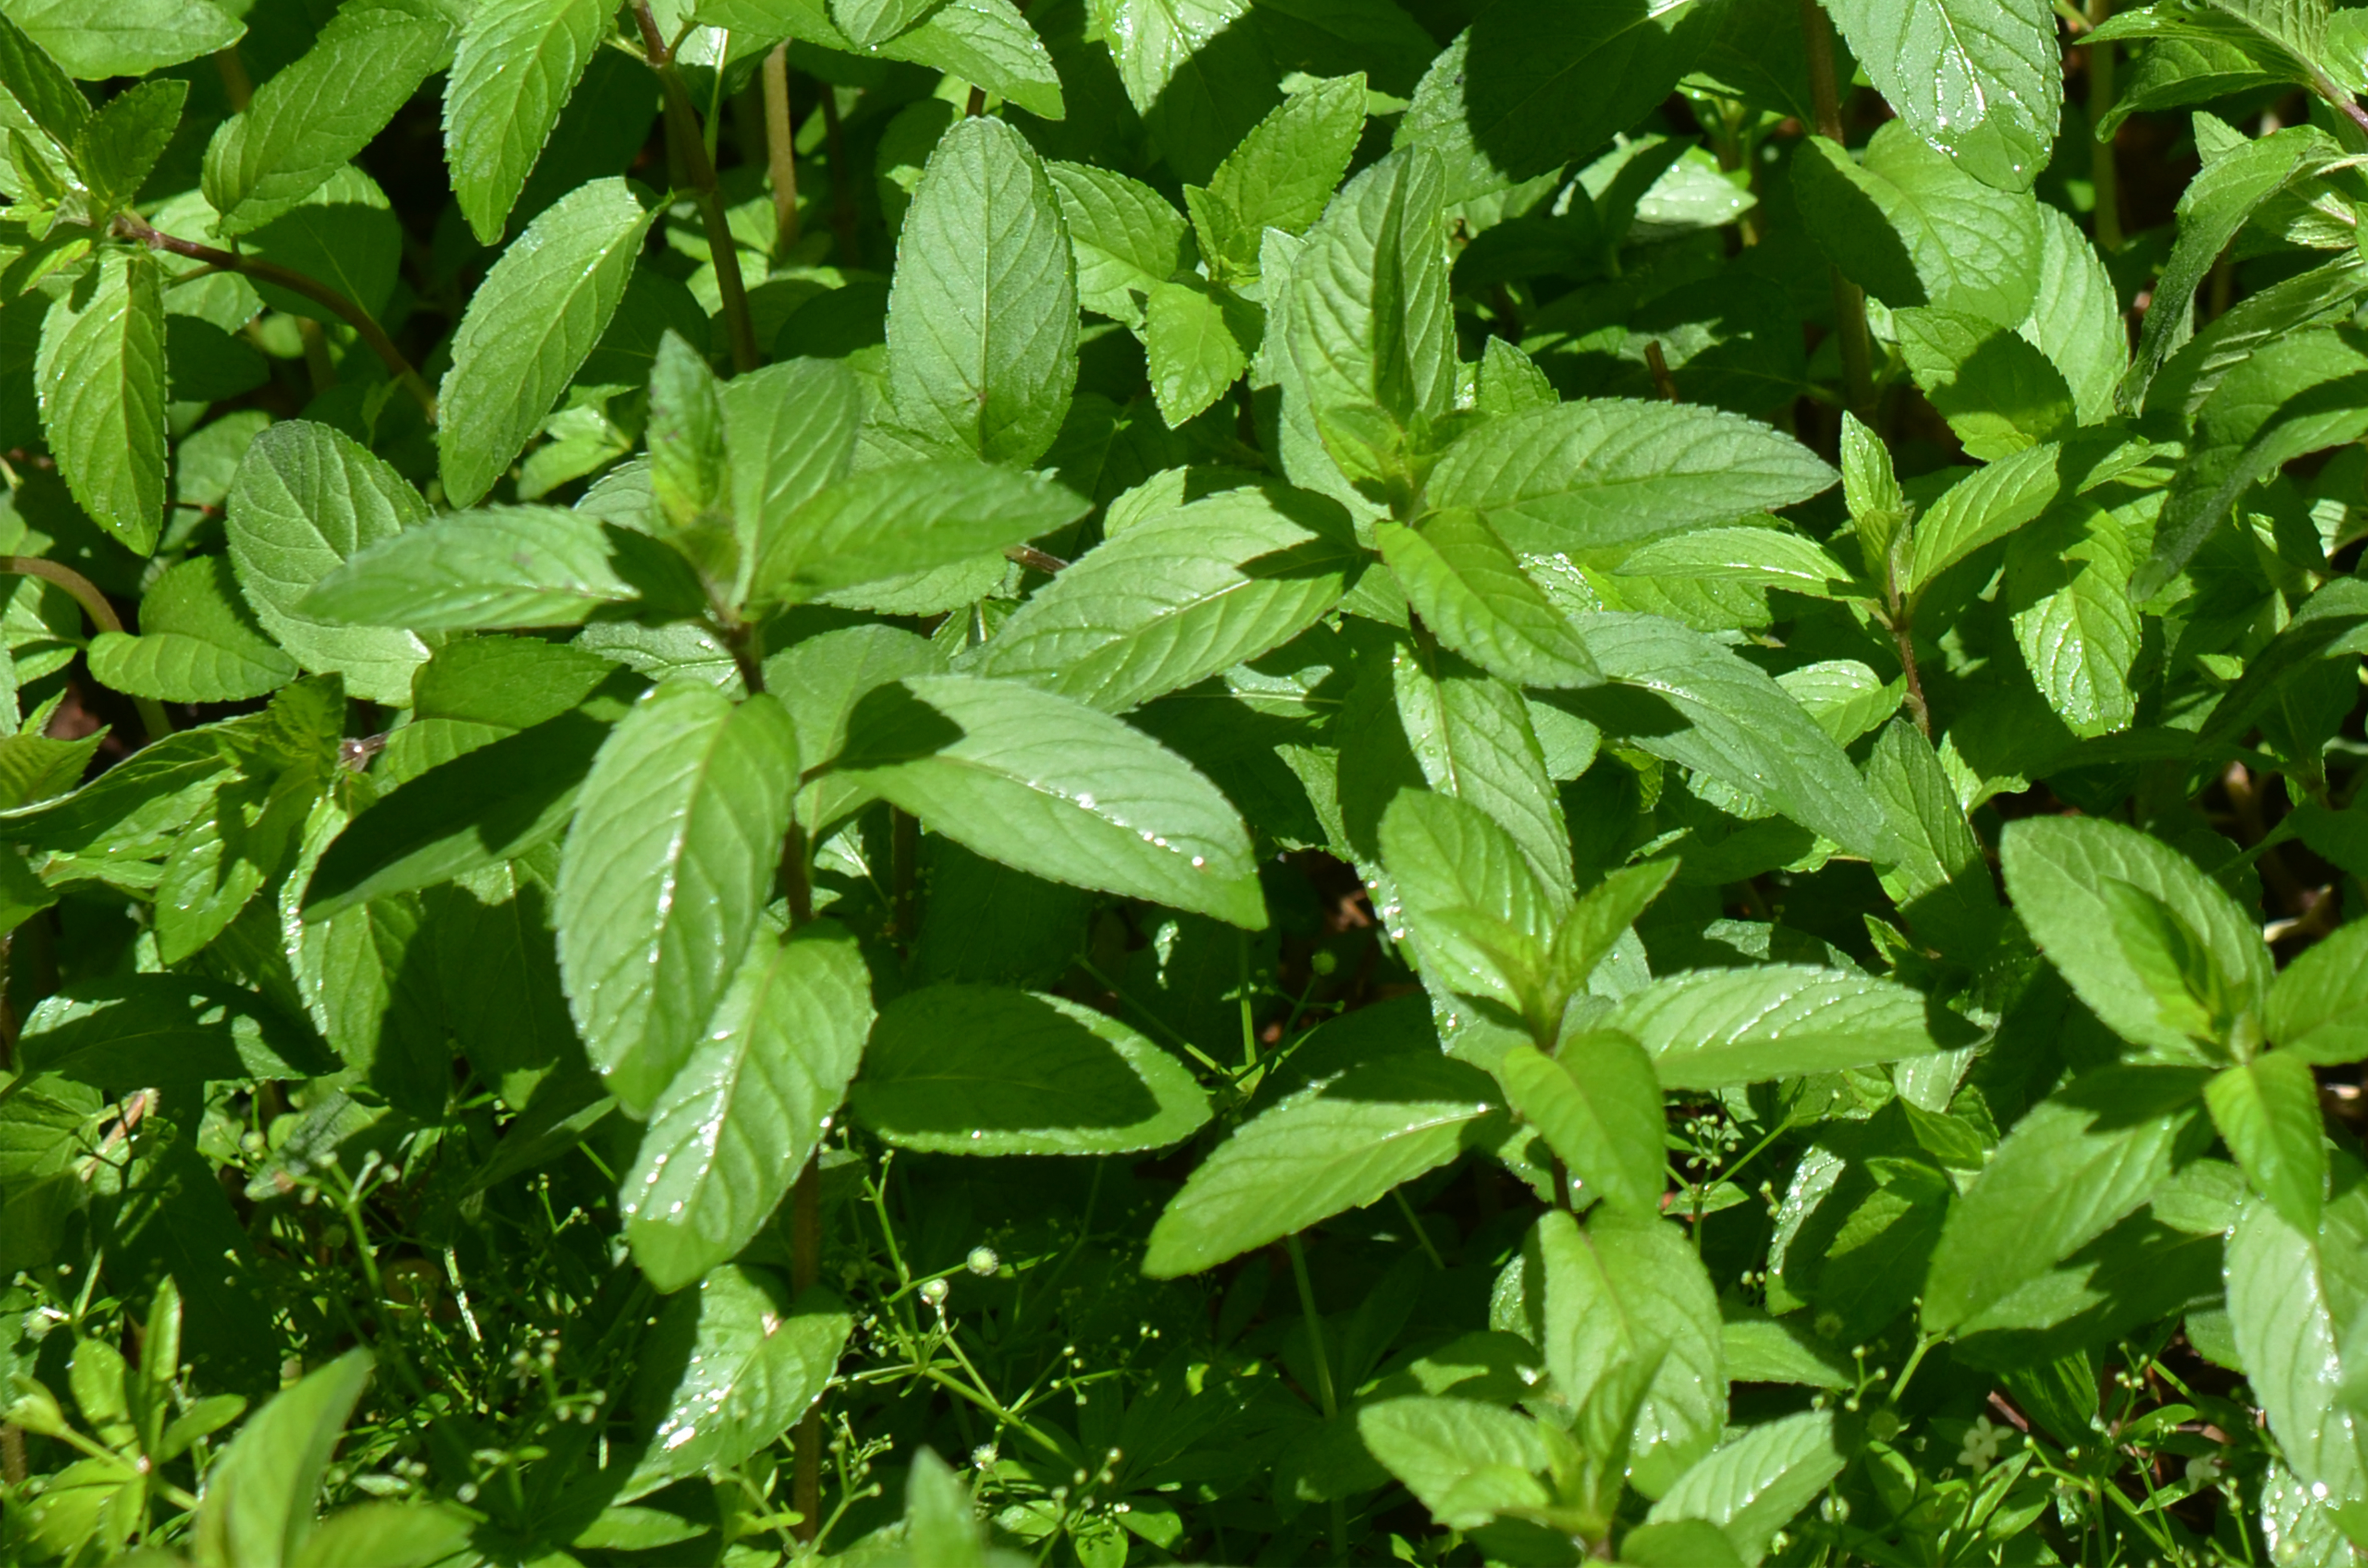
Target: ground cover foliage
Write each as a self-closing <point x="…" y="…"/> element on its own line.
<point x="1183" y="780"/>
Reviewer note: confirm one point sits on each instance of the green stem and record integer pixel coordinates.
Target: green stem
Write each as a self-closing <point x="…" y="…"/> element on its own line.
<point x="102" y="617"/>
<point x="684" y="133"/>
<point x="2104" y="171"/>
<point x="1324" y="1393"/>
<point x="780" y="149"/>
<point x="312" y="289"/>
<point x="1849" y="300"/>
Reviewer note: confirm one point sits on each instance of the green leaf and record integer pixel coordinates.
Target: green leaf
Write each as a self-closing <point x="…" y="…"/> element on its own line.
<point x="1335" y="1145"/>
<point x="869" y="23"/>
<point x="100" y="370"/>
<point x="1984" y="507"/>
<point x="2072" y="1167"/>
<point x="1532" y="85"/>
<point x="979" y="1070"/>
<point x="518" y="62"/>
<point x="1369" y="327"/>
<point x="941" y="1522"/>
<point x="685" y="434"/>
<point x="39" y="86"/>
<point x="1752" y="1485"/>
<point x="1199" y="337"/>
<point x="1282" y="175"/>
<point x="118" y="148"/>
<point x="495" y="566"/>
<point x="1598" y="1105"/>
<point x="1938" y="875"/>
<point x="2216" y="203"/>
<point x="306" y="500"/>
<point x="1606" y="472"/>
<point x="982" y="322"/>
<point x="2076" y="318"/>
<point x="1622" y="1292"/>
<point x="901" y="520"/>
<point x="1127" y="240"/>
<point x="1179" y="597"/>
<point x="344" y="234"/>
<point x="385" y="1535"/>
<point x="1911" y="228"/>
<point x="989" y="44"/>
<point x="2057" y="872"/>
<point x="730" y="1367"/>
<point x="1982" y="79"/>
<point x="1193" y="69"/>
<point x="259" y="1496"/>
<point x="95" y="40"/>
<point x="732" y="1129"/>
<point x="2267" y="1111"/>
<point x="1677" y="694"/>
<point x="1465" y="1461"/>
<point x="315" y="115"/>
<point x="2068" y="596"/>
<point x="1998" y="392"/>
<point x="1472" y="595"/>
<point x="1718" y="1029"/>
<point x="1680" y="1543"/>
<point x="789" y="431"/>
<point x="530" y="326"/>
<point x="1771" y="558"/>
<point x="2293" y="1299"/>
<point x="820" y="680"/>
<point x="1479" y="912"/>
<point x="1048" y="786"/>
<point x="667" y="868"/>
<point x="2318" y="1006"/>
<point x="1595" y="926"/>
<point x="197" y="642"/>
<point x="1470" y="736"/>
<point x="131" y="1030"/>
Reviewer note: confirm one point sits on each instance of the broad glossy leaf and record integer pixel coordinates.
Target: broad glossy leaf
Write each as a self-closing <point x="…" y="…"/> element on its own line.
<point x="1984" y="507"/>
<point x="1620" y="1291"/>
<point x="1472" y="595"/>
<point x="1717" y="1029"/>
<point x="495" y="566"/>
<point x="1479" y="912"/>
<point x="2068" y="596"/>
<point x="981" y="1070"/>
<point x="1465" y="1461"/>
<point x="983" y="319"/>
<point x="989" y="44"/>
<point x="1679" y="695"/>
<point x="2267" y="1111"/>
<point x="1752" y="1485"/>
<point x="1179" y="597"/>
<point x="517" y="64"/>
<point x="95" y="40"/>
<point x="344" y="234"/>
<point x="1532" y="85"/>
<point x="2318" y="1006"/>
<point x="1048" y="786"/>
<point x="1199" y="337"/>
<point x="731" y="1365"/>
<point x="1598" y="1105"/>
<point x="307" y="499"/>
<point x="127" y="1030"/>
<point x="2056" y="868"/>
<point x="101" y="371"/>
<point x="1607" y="472"/>
<point x="1193" y="69"/>
<point x="901" y="520"/>
<point x="385" y="1535"/>
<point x="32" y="77"/>
<point x="314" y="116"/>
<point x="1998" y="392"/>
<point x="1325" y="1149"/>
<point x="530" y="326"/>
<point x="789" y="431"/>
<point x="1470" y="736"/>
<point x="2076" y="318"/>
<point x="118" y="149"/>
<point x="667" y="868"/>
<point x="1982" y="79"/>
<point x="260" y="1494"/>
<point x="2072" y="1167"/>
<point x="196" y="641"/>
<point x="869" y="23"/>
<point x="1772" y="558"/>
<point x="730" y="1132"/>
<point x="1937" y="875"/>
<point x="1282" y="175"/>
<point x="1126" y="238"/>
<point x="687" y="478"/>
<point x="2293" y="1299"/>
<point x="1912" y="228"/>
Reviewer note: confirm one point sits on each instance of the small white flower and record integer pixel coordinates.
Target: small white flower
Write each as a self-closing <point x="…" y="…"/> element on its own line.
<point x="983" y="1456"/>
<point x="1981" y="1445"/>
<point x="983" y="1262"/>
<point x="2204" y="1469"/>
<point x="934" y="1292"/>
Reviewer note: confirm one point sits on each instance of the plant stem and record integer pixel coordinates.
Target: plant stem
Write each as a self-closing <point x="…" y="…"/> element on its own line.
<point x="806" y="1268"/>
<point x="1324" y="1393"/>
<point x="689" y="142"/>
<point x="102" y="616"/>
<point x="320" y="293"/>
<point x="780" y="149"/>
<point x="2104" y="171"/>
<point x="1849" y="300"/>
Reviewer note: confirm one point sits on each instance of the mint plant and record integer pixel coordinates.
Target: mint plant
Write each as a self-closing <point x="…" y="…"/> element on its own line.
<point x="1183" y="780"/>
